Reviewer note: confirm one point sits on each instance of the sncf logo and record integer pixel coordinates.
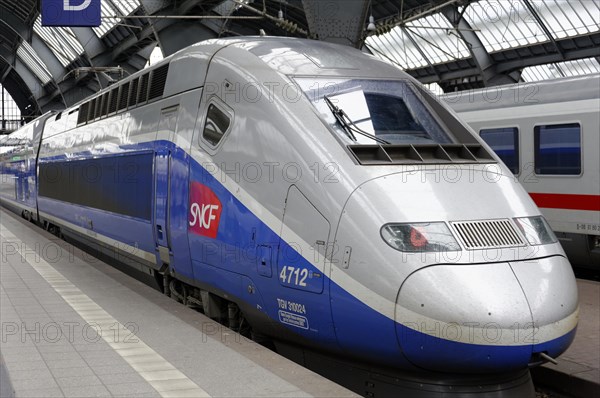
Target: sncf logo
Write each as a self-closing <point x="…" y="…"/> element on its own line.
<point x="205" y="211"/>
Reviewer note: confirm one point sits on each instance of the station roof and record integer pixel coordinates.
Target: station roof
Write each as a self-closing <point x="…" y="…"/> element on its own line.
<point x="452" y="44"/>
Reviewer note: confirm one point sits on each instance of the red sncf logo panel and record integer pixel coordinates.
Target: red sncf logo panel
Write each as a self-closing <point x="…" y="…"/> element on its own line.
<point x="205" y="211"/>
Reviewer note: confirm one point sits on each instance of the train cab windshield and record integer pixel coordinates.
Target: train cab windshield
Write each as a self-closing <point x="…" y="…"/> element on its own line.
<point x="374" y="111"/>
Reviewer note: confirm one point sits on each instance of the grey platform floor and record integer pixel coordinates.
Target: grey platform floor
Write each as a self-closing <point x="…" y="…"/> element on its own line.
<point x="578" y="369"/>
<point x="74" y="326"/>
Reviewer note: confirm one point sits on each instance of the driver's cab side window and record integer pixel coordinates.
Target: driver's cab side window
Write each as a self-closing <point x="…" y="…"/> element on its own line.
<point x="217" y="124"/>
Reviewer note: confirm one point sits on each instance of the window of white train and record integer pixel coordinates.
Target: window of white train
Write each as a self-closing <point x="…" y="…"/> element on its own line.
<point x="505" y="142"/>
<point x="557" y="149"/>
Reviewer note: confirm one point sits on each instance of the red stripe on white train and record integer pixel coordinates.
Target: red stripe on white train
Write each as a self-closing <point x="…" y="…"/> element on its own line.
<point x="566" y="201"/>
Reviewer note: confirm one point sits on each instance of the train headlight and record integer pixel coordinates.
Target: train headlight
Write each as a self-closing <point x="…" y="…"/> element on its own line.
<point x="419" y="237"/>
<point x="536" y="230"/>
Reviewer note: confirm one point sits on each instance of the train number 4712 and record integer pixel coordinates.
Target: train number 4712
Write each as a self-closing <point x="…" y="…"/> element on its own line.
<point x="293" y="275"/>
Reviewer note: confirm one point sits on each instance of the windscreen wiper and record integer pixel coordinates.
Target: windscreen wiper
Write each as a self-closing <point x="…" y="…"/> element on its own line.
<point x="349" y="126"/>
<point x="337" y="113"/>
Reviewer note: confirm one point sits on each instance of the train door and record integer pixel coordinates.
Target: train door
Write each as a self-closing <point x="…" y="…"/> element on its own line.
<point x="162" y="182"/>
<point x="303" y="303"/>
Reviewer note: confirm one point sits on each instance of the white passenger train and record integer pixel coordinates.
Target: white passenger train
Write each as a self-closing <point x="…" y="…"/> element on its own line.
<point x="548" y="134"/>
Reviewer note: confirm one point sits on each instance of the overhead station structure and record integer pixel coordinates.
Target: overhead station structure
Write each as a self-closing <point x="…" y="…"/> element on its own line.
<point x="451" y="45"/>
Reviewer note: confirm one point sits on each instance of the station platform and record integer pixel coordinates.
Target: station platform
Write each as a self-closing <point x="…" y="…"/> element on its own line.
<point x="73" y="326"/>
<point x="578" y="371"/>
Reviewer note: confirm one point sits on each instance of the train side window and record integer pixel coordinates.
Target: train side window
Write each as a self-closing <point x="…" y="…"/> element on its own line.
<point x="505" y="142"/>
<point x="216" y="125"/>
<point x="558" y="149"/>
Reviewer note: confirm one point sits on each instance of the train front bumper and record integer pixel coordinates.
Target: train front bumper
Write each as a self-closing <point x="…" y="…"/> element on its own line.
<point x="487" y="317"/>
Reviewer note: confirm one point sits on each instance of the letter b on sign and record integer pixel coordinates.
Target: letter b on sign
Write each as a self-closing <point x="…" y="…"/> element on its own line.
<point x="71" y="13"/>
<point x="68" y="7"/>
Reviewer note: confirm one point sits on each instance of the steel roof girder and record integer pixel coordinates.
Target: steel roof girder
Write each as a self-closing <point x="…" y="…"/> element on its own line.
<point x="20" y="94"/>
<point x="153" y="6"/>
<point x="73" y="93"/>
<point x="6" y="71"/>
<point x="156" y="26"/>
<point x="138" y="60"/>
<point x="91" y="44"/>
<point x="149" y="30"/>
<point x="570" y="55"/>
<point x="8" y="57"/>
<point x="337" y="21"/>
<point x="448" y="76"/>
<point x="122" y="47"/>
<point x="220" y="26"/>
<point x="183" y="34"/>
<point x="28" y="77"/>
<point x="48" y="57"/>
<point x="510" y="65"/>
<point x="483" y="60"/>
<point x="15" y="24"/>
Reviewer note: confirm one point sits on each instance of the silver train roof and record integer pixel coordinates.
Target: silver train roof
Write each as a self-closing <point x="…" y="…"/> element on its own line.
<point x="286" y="56"/>
<point x="292" y="56"/>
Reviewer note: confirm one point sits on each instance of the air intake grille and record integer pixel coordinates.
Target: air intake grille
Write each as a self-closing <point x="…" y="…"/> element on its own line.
<point x="82" y="116"/>
<point x="487" y="234"/>
<point x="391" y="154"/>
<point x="157" y="84"/>
<point x="143" y="95"/>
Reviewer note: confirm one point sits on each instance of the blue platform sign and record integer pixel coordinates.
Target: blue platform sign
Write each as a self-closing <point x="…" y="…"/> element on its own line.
<point x="71" y="13"/>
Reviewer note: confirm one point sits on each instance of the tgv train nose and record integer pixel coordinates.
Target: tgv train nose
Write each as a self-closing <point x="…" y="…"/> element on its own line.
<point x="486" y="317"/>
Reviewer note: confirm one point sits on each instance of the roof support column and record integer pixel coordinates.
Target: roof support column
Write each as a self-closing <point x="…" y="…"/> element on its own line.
<point x="92" y="45"/>
<point x="483" y="60"/>
<point x="5" y="72"/>
<point x="27" y="78"/>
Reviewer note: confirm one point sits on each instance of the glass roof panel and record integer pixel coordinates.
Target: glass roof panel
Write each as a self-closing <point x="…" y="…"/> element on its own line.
<point x="404" y="49"/>
<point x="396" y="47"/>
<point x="580" y="67"/>
<point x="435" y="37"/>
<point x="126" y="7"/>
<point x="26" y="54"/>
<point x="502" y="24"/>
<point x="422" y="42"/>
<point x="107" y="11"/>
<point x="569" y="18"/>
<point x="111" y="8"/>
<point x="538" y="73"/>
<point x="61" y="41"/>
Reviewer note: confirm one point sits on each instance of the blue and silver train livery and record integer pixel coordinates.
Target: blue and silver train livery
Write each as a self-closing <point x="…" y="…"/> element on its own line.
<point x="317" y="195"/>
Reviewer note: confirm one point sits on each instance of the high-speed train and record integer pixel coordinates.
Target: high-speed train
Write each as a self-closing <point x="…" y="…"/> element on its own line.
<point x="548" y="135"/>
<point x="319" y="195"/>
